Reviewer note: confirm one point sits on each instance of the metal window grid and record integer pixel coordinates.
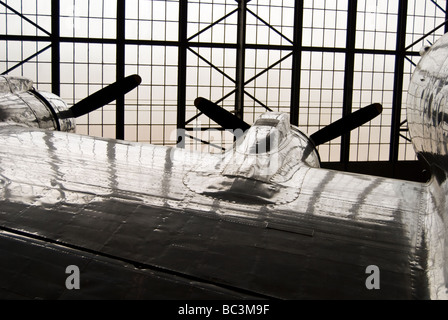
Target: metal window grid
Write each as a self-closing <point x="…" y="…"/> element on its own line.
<point x="317" y="60"/>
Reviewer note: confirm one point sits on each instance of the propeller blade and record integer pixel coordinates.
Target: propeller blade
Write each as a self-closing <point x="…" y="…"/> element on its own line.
<point x="220" y="115"/>
<point x="105" y="95"/>
<point x="346" y="124"/>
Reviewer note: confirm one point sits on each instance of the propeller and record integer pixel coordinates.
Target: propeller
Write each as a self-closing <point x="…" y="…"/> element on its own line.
<point x="220" y="115"/>
<point x="102" y="97"/>
<point x="346" y="124"/>
<point x="336" y="129"/>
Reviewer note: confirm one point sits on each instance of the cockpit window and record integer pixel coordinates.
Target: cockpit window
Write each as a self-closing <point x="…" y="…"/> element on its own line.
<point x="265" y="142"/>
<point x="267" y="122"/>
<point x="266" y="135"/>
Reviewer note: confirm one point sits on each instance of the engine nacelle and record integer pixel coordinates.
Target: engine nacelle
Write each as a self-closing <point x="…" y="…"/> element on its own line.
<point x="21" y="104"/>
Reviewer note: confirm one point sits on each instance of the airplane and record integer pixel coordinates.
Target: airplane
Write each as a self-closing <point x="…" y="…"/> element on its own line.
<point x="93" y="218"/>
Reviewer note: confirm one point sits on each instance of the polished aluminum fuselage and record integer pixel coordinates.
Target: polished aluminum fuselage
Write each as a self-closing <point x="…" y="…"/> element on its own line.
<point x="151" y="211"/>
<point x="21" y="104"/>
<point x="427" y="115"/>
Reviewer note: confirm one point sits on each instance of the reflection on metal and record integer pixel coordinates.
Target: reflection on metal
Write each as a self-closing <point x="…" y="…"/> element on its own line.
<point x="261" y="166"/>
<point x="260" y="221"/>
<point x="427" y="105"/>
<point x="21" y="104"/>
<point x="135" y="216"/>
<point x="427" y="108"/>
<point x="14" y="85"/>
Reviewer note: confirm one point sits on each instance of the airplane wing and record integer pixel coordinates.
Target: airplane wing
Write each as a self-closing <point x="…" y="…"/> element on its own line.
<point x="143" y="221"/>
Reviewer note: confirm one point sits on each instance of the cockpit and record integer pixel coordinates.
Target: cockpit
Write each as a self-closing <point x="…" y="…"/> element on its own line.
<point x="266" y="135"/>
<point x="273" y="137"/>
<point x="263" y="161"/>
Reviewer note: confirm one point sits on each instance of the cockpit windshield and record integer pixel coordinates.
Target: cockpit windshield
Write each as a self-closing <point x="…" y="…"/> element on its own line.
<point x="266" y="135"/>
